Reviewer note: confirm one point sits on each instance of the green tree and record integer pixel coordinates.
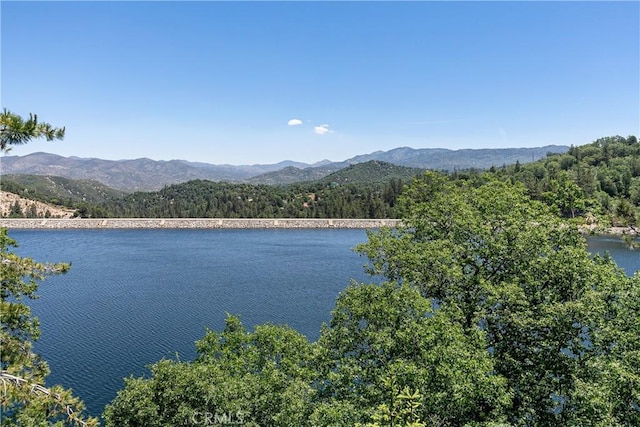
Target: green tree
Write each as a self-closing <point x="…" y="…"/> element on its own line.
<point x="607" y="382"/>
<point x="14" y="130"/>
<point x="505" y="265"/>
<point x="403" y="411"/>
<point x="256" y="378"/>
<point x="566" y="196"/>
<point x="383" y="339"/>
<point x="16" y="210"/>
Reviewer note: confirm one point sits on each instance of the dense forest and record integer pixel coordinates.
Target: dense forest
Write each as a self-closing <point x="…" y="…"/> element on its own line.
<point x="600" y="179"/>
<point x="224" y="200"/>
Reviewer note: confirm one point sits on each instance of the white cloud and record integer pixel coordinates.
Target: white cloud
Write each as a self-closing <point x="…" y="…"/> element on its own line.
<point x="322" y="129"/>
<point x="294" y="122"/>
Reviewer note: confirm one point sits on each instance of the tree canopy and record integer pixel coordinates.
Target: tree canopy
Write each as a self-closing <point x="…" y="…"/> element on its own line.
<point x="601" y="180"/>
<point x="507" y="266"/>
<point x="14" y="130"/>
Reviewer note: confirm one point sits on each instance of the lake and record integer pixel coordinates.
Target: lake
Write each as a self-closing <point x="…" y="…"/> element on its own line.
<point x="133" y="297"/>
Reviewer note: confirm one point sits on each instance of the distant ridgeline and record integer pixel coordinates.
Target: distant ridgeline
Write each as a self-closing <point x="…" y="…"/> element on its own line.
<point x="598" y="182"/>
<point x="152" y="175"/>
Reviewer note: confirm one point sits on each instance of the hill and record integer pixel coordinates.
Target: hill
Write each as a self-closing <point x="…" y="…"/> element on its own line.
<point x="358" y="191"/>
<point x="597" y="180"/>
<point x="371" y="172"/>
<point x="147" y="174"/>
<point x="450" y="160"/>
<point x="292" y="174"/>
<point x="58" y="190"/>
<point x="133" y="175"/>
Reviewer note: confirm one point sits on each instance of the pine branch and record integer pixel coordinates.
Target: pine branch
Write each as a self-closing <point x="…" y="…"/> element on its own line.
<point x="39" y="390"/>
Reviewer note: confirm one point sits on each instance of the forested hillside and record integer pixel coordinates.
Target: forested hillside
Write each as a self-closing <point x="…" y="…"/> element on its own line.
<point x="601" y="179"/>
<point x="373" y="172"/>
<point x="224" y="200"/>
<point x="366" y="190"/>
<point x="58" y="190"/>
<point x="597" y="183"/>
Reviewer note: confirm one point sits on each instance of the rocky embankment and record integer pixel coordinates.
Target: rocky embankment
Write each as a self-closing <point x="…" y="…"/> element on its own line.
<point x="85" y="223"/>
<point x="168" y="223"/>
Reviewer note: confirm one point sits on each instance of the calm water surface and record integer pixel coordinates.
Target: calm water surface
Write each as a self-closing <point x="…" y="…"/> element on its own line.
<point x="133" y="297"/>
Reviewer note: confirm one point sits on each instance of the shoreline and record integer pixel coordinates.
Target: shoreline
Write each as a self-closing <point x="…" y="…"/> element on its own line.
<point x="192" y="223"/>
<point x="609" y="231"/>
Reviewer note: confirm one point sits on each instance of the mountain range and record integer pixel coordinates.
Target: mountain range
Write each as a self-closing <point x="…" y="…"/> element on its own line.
<point x="146" y="174"/>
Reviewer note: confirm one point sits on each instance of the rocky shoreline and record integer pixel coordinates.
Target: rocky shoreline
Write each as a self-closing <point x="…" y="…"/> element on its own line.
<point x="594" y="230"/>
<point x="204" y="223"/>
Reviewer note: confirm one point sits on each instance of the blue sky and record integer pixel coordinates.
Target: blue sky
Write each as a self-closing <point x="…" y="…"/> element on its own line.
<point x="261" y="82"/>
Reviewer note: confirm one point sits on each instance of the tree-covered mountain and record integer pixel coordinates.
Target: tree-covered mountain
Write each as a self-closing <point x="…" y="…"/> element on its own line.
<point x="208" y="199"/>
<point x="147" y="174"/>
<point x="370" y="173"/>
<point x="292" y="174"/>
